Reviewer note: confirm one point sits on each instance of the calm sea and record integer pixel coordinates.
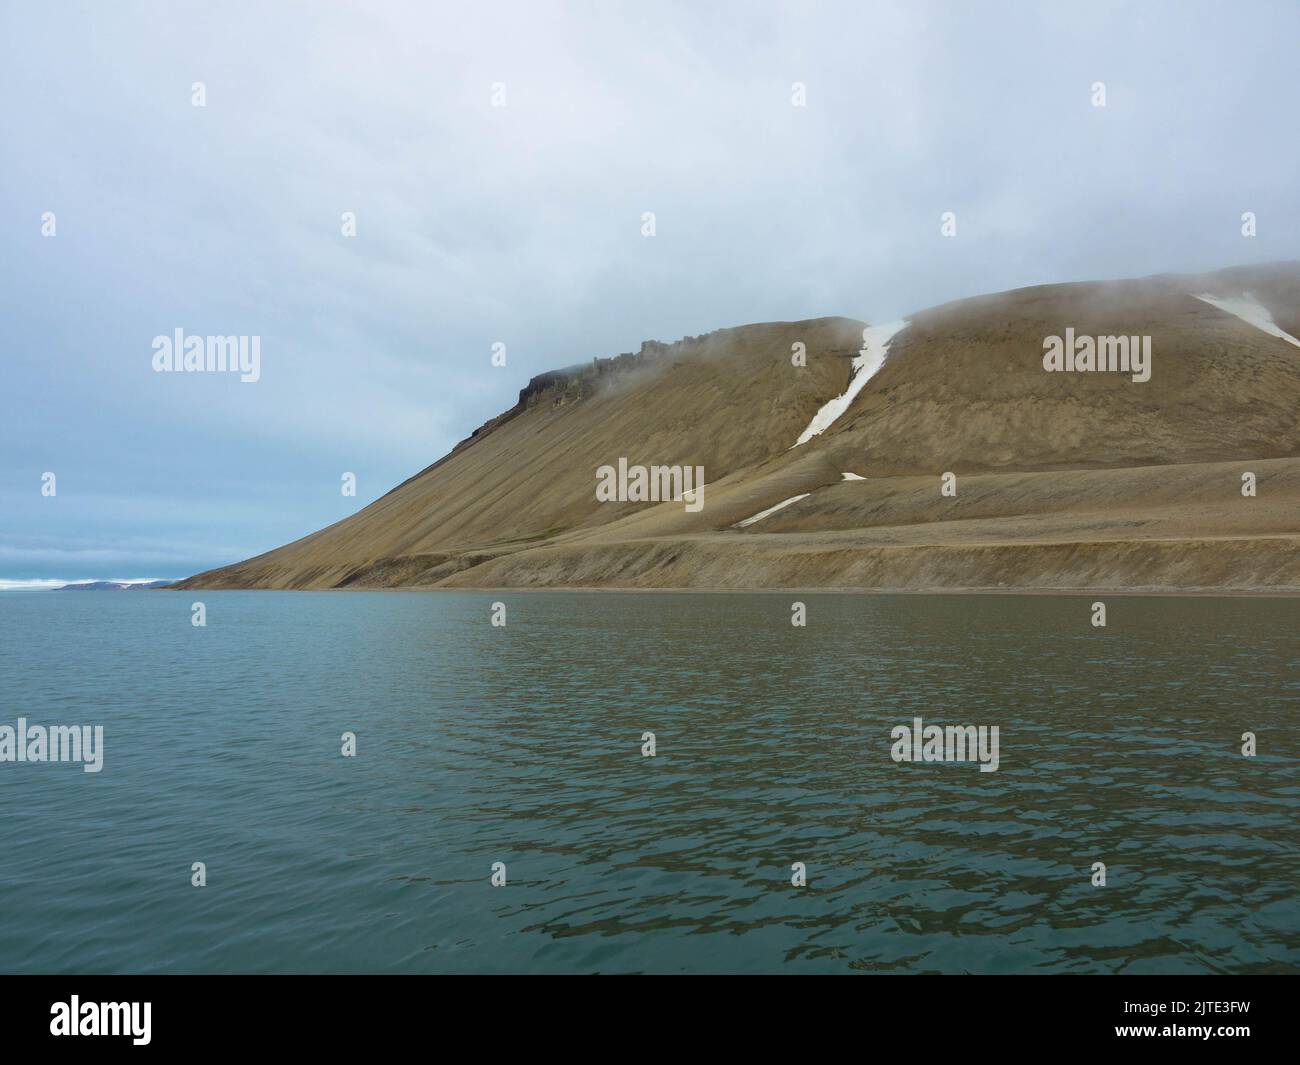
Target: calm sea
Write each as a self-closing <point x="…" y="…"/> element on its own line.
<point x="522" y="745"/>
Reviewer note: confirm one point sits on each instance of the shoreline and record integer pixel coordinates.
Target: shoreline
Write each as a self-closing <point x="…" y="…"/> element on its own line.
<point x="1146" y="593"/>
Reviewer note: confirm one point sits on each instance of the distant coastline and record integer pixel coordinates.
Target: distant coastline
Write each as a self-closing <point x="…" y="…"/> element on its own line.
<point x="113" y="586"/>
<point x="55" y="584"/>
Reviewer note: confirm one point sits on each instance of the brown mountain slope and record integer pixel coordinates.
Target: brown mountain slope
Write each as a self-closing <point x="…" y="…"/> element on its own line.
<point x="723" y="401"/>
<point x="964" y="386"/>
<point x="1065" y="480"/>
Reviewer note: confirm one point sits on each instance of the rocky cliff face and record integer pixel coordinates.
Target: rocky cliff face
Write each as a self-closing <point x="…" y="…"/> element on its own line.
<point x="1080" y="479"/>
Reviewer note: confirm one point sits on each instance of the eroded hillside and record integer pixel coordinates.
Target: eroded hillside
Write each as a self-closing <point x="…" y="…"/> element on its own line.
<point x="1060" y="480"/>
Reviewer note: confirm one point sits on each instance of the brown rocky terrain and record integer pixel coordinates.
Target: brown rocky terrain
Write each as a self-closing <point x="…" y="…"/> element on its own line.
<point x="1063" y="480"/>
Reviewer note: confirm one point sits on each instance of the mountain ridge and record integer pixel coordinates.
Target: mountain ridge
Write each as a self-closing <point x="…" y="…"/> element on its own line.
<point x="961" y="390"/>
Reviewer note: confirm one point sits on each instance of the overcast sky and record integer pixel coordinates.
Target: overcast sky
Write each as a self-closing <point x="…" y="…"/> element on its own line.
<point x="522" y="224"/>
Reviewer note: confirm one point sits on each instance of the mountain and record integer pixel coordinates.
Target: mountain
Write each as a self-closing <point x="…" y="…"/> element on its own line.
<point x="1078" y="479"/>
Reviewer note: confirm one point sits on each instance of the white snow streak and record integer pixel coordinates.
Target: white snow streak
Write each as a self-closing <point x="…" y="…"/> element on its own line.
<point x="1249" y="309"/>
<point x="770" y="510"/>
<point x="875" y="346"/>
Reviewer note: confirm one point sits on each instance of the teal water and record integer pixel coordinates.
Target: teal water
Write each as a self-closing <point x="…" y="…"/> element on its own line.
<point x="522" y="745"/>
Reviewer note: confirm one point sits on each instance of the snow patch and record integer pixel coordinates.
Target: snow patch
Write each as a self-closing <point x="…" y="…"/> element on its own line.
<point x="1249" y="309"/>
<point x="770" y="510"/>
<point x="875" y="346"/>
<point x="852" y="477"/>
